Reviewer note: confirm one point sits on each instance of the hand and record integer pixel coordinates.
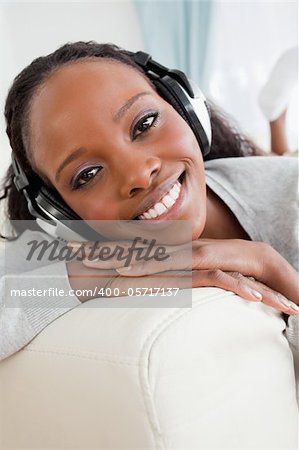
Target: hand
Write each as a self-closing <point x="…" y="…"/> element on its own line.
<point x="218" y="263"/>
<point x="88" y="283"/>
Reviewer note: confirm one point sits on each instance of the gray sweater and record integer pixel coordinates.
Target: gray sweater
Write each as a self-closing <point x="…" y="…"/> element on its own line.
<point x="260" y="191"/>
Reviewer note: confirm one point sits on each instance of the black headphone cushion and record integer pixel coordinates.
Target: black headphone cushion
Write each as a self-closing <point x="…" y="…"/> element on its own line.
<point x="55" y="201"/>
<point x="181" y="102"/>
<point x="166" y="94"/>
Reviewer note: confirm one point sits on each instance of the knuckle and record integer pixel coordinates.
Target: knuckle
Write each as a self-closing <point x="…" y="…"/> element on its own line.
<point x="141" y="267"/>
<point x="215" y="274"/>
<point x="201" y="252"/>
<point x="240" y="284"/>
<point x="237" y="276"/>
<point x="238" y="281"/>
<point x="266" y="255"/>
<point x="264" y="248"/>
<point x="169" y="260"/>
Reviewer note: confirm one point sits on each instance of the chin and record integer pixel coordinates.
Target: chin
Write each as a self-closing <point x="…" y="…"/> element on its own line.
<point x="195" y="236"/>
<point x="198" y="228"/>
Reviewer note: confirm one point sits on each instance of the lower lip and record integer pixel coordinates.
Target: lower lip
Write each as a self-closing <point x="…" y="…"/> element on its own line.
<point x="172" y="212"/>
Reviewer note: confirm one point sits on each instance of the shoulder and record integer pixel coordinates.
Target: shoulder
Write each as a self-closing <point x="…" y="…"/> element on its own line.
<point x="15" y="254"/>
<point x="257" y="180"/>
<point x="254" y="168"/>
<point x="262" y="192"/>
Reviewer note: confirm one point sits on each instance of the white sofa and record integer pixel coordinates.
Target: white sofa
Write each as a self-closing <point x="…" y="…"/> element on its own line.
<point x="218" y="375"/>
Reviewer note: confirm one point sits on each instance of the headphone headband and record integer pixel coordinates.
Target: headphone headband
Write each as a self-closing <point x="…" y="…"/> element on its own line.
<point x="20" y="179"/>
<point x="145" y="61"/>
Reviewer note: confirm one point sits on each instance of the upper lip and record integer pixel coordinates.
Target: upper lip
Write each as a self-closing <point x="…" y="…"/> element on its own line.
<point x="155" y="196"/>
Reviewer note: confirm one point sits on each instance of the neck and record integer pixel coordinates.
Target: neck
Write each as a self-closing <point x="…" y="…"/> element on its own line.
<point x="221" y="222"/>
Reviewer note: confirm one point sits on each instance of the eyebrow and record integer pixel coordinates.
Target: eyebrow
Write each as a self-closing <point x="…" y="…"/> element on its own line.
<point x="68" y="160"/>
<point x="128" y="105"/>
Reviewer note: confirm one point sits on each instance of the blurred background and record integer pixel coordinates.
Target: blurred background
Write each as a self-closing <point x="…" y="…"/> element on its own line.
<point x="228" y="48"/>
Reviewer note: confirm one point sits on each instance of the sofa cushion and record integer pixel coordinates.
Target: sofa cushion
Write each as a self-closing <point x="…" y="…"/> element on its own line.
<point x="217" y="375"/>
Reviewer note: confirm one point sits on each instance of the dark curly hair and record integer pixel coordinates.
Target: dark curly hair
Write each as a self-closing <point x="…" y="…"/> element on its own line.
<point x="226" y="139"/>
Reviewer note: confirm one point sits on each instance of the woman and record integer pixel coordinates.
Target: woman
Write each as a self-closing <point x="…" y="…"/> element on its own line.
<point x="87" y="123"/>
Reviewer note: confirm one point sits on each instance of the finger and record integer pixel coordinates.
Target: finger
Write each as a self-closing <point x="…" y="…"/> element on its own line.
<point x="76" y="244"/>
<point x="109" y="256"/>
<point x="276" y="300"/>
<point x="113" y="255"/>
<point x="169" y="280"/>
<point x="249" y="289"/>
<point x="100" y="255"/>
<point x="237" y="283"/>
<point x="231" y="254"/>
<point x="90" y="245"/>
<point x="144" y="255"/>
<point x="170" y="260"/>
<point x="268" y="296"/>
<point x="195" y="255"/>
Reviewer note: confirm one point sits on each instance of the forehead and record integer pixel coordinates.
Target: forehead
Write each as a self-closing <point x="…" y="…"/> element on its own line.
<point x="86" y="82"/>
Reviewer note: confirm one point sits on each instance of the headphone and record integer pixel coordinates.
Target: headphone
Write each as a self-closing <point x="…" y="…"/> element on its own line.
<point x="53" y="215"/>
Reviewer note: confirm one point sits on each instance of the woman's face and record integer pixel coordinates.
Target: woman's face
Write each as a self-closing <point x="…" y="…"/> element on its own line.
<point x="114" y="149"/>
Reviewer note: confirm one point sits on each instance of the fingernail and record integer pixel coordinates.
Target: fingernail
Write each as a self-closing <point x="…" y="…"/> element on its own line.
<point x="122" y="270"/>
<point x="74" y="244"/>
<point x="289" y="304"/>
<point x="257" y="294"/>
<point x="294" y="306"/>
<point x="91" y="262"/>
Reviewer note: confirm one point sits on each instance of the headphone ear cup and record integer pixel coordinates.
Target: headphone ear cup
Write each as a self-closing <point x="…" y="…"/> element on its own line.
<point x="166" y="94"/>
<point x="65" y="223"/>
<point x="52" y="203"/>
<point x="192" y="110"/>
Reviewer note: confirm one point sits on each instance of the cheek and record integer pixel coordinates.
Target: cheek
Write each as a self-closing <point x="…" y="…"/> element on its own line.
<point x="178" y="138"/>
<point x="92" y="207"/>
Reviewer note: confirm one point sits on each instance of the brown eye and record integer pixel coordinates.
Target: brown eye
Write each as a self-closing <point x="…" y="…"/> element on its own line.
<point x="144" y="124"/>
<point x="85" y="177"/>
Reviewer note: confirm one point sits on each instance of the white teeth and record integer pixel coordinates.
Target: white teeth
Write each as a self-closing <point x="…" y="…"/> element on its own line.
<point x="175" y="192"/>
<point x="165" y="203"/>
<point x="168" y="201"/>
<point x="160" y="208"/>
<point x="152" y="213"/>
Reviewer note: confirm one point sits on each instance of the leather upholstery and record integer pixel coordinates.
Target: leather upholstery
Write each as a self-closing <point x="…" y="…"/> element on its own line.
<point x="218" y="375"/>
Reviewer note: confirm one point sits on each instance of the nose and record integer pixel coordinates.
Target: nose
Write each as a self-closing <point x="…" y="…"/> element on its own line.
<point x="138" y="176"/>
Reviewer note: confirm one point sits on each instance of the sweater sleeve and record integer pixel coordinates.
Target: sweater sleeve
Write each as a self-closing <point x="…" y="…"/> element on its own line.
<point x="23" y="317"/>
<point x="32" y="295"/>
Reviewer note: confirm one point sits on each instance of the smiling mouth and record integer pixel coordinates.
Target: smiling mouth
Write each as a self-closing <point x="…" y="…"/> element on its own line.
<point x="166" y="203"/>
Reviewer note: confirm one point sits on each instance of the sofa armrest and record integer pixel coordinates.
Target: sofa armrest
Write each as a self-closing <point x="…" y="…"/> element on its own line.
<point x="217" y="375"/>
